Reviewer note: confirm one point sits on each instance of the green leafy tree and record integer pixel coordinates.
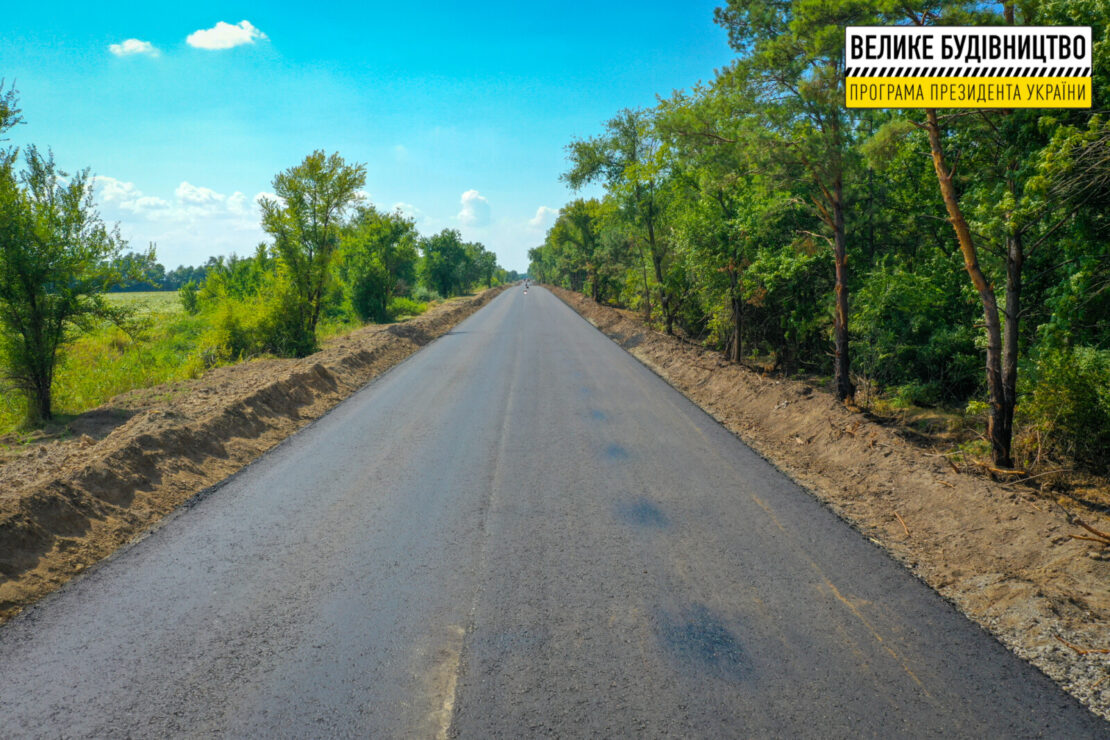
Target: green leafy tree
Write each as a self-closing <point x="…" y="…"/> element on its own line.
<point x="999" y="220"/>
<point x="482" y="265"/>
<point x="377" y="259"/>
<point x="10" y="113"/>
<point x="306" y="223"/>
<point x="57" y="258"/>
<point x="630" y="160"/>
<point x="443" y="267"/>
<point x="793" y="63"/>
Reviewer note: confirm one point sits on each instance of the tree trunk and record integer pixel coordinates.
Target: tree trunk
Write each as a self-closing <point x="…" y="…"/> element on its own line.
<point x="1015" y="258"/>
<point x="844" y="390"/>
<point x="40" y="406"/>
<point x="999" y="431"/>
<point x="647" y="293"/>
<point x="664" y="299"/>
<point x="736" y="345"/>
<point x="657" y="264"/>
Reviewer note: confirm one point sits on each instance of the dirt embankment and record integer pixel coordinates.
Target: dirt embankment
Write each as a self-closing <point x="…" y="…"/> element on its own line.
<point x="66" y="504"/>
<point x="1000" y="553"/>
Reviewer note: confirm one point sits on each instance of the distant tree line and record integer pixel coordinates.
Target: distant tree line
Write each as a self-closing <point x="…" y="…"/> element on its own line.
<point x="957" y="258"/>
<point x="149" y="274"/>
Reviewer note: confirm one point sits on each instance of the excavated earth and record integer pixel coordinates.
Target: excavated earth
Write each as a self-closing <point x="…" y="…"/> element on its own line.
<point x="67" y="503"/>
<point x="1000" y="553"/>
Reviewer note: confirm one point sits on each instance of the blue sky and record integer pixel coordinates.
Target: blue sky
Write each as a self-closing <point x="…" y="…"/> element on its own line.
<point x="460" y="111"/>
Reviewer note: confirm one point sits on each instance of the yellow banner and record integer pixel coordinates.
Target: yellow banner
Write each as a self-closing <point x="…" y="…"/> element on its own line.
<point x="968" y="92"/>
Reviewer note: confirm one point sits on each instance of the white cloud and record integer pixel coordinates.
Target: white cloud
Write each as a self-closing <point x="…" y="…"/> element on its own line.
<point x="192" y="195"/>
<point x="112" y="190"/>
<point x="193" y="224"/>
<point x="237" y="203"/>
<point x="475" y="209"/>
<point x="544" y="217"/>
<point x="224" y="36"/>
<point x="124" y="196"/>
<point x="133" y="46"/>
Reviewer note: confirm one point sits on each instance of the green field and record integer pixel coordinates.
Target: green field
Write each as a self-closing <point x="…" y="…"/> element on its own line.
<point x="163" y="302"/>
<point x="163" y="345"/>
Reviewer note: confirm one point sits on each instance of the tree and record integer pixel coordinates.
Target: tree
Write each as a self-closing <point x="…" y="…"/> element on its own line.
<point x="479" y="266"/>
<point x="306" y="223"/>
<point x="730" y="206"/>
<point x="10" y="114"/>
<point x="996" y="217"/>
<point x="794" y="62"/>
<point x="56" y="259"/>
<point x="631" y="162"/>
<point x="444" y="265"/>
<point x="378" y="255"/>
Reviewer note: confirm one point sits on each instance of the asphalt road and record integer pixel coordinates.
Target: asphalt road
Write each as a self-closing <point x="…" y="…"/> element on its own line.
<point x="520" y="531"/>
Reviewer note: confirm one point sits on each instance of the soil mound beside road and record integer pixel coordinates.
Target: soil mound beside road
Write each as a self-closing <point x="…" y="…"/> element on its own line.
<point x="999" y="553"/>
<point x="66" y="504"/>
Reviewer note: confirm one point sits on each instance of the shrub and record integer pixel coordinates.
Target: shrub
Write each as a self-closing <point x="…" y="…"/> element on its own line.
<point x="1067" y="406"/>
<point x="400" y="306"/>
<point x="188" y="293"/>
<point x="914" y="334"/>
<point x="424" y="294"/>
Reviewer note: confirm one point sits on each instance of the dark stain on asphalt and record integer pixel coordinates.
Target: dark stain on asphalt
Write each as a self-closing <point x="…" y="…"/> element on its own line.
<point x="616" y="452"/>
<point x="598" y="414"/>
<point x="701" y="641"/>
<point x="643" y="513"/>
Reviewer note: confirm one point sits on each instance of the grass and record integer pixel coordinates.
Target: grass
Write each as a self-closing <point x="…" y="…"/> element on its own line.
<point x="97" y="366"/>
<point x="165" y="346"/>
<point x="161" y="303"/>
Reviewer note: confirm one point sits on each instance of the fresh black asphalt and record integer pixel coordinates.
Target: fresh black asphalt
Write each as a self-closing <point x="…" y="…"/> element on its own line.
<point x="518" y="532"/>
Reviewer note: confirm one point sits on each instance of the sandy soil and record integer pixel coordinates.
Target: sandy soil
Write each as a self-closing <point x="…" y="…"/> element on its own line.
<point x="1000" y="553"/>
<point x="69" y="502"/>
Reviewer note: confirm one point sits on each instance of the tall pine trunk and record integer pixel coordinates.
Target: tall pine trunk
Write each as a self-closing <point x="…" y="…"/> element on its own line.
<point x="999" y="423"/>
<point x="1015" y="259"/>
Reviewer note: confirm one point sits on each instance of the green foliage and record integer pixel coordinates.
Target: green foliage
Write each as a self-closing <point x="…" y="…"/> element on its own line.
<point x="448" y="263"/>
<point x="400" y="307"/>
<point x="10" y="114"/>
<point x="424" y="294"/>
<point x="1068" y="404"/>
<point x="56" y="260"/>
<point x="916" y="331"/>
<point x="107" y="361"/>
<point x="789" y="295"/>
<point x="306" y="223"/>
<point x="377" y="260"/>
<point x="188" y="293"/>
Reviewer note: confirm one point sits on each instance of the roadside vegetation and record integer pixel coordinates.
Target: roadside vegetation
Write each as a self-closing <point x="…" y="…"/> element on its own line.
<point x="945" y="265"/>
<point x="76" y="329"/>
